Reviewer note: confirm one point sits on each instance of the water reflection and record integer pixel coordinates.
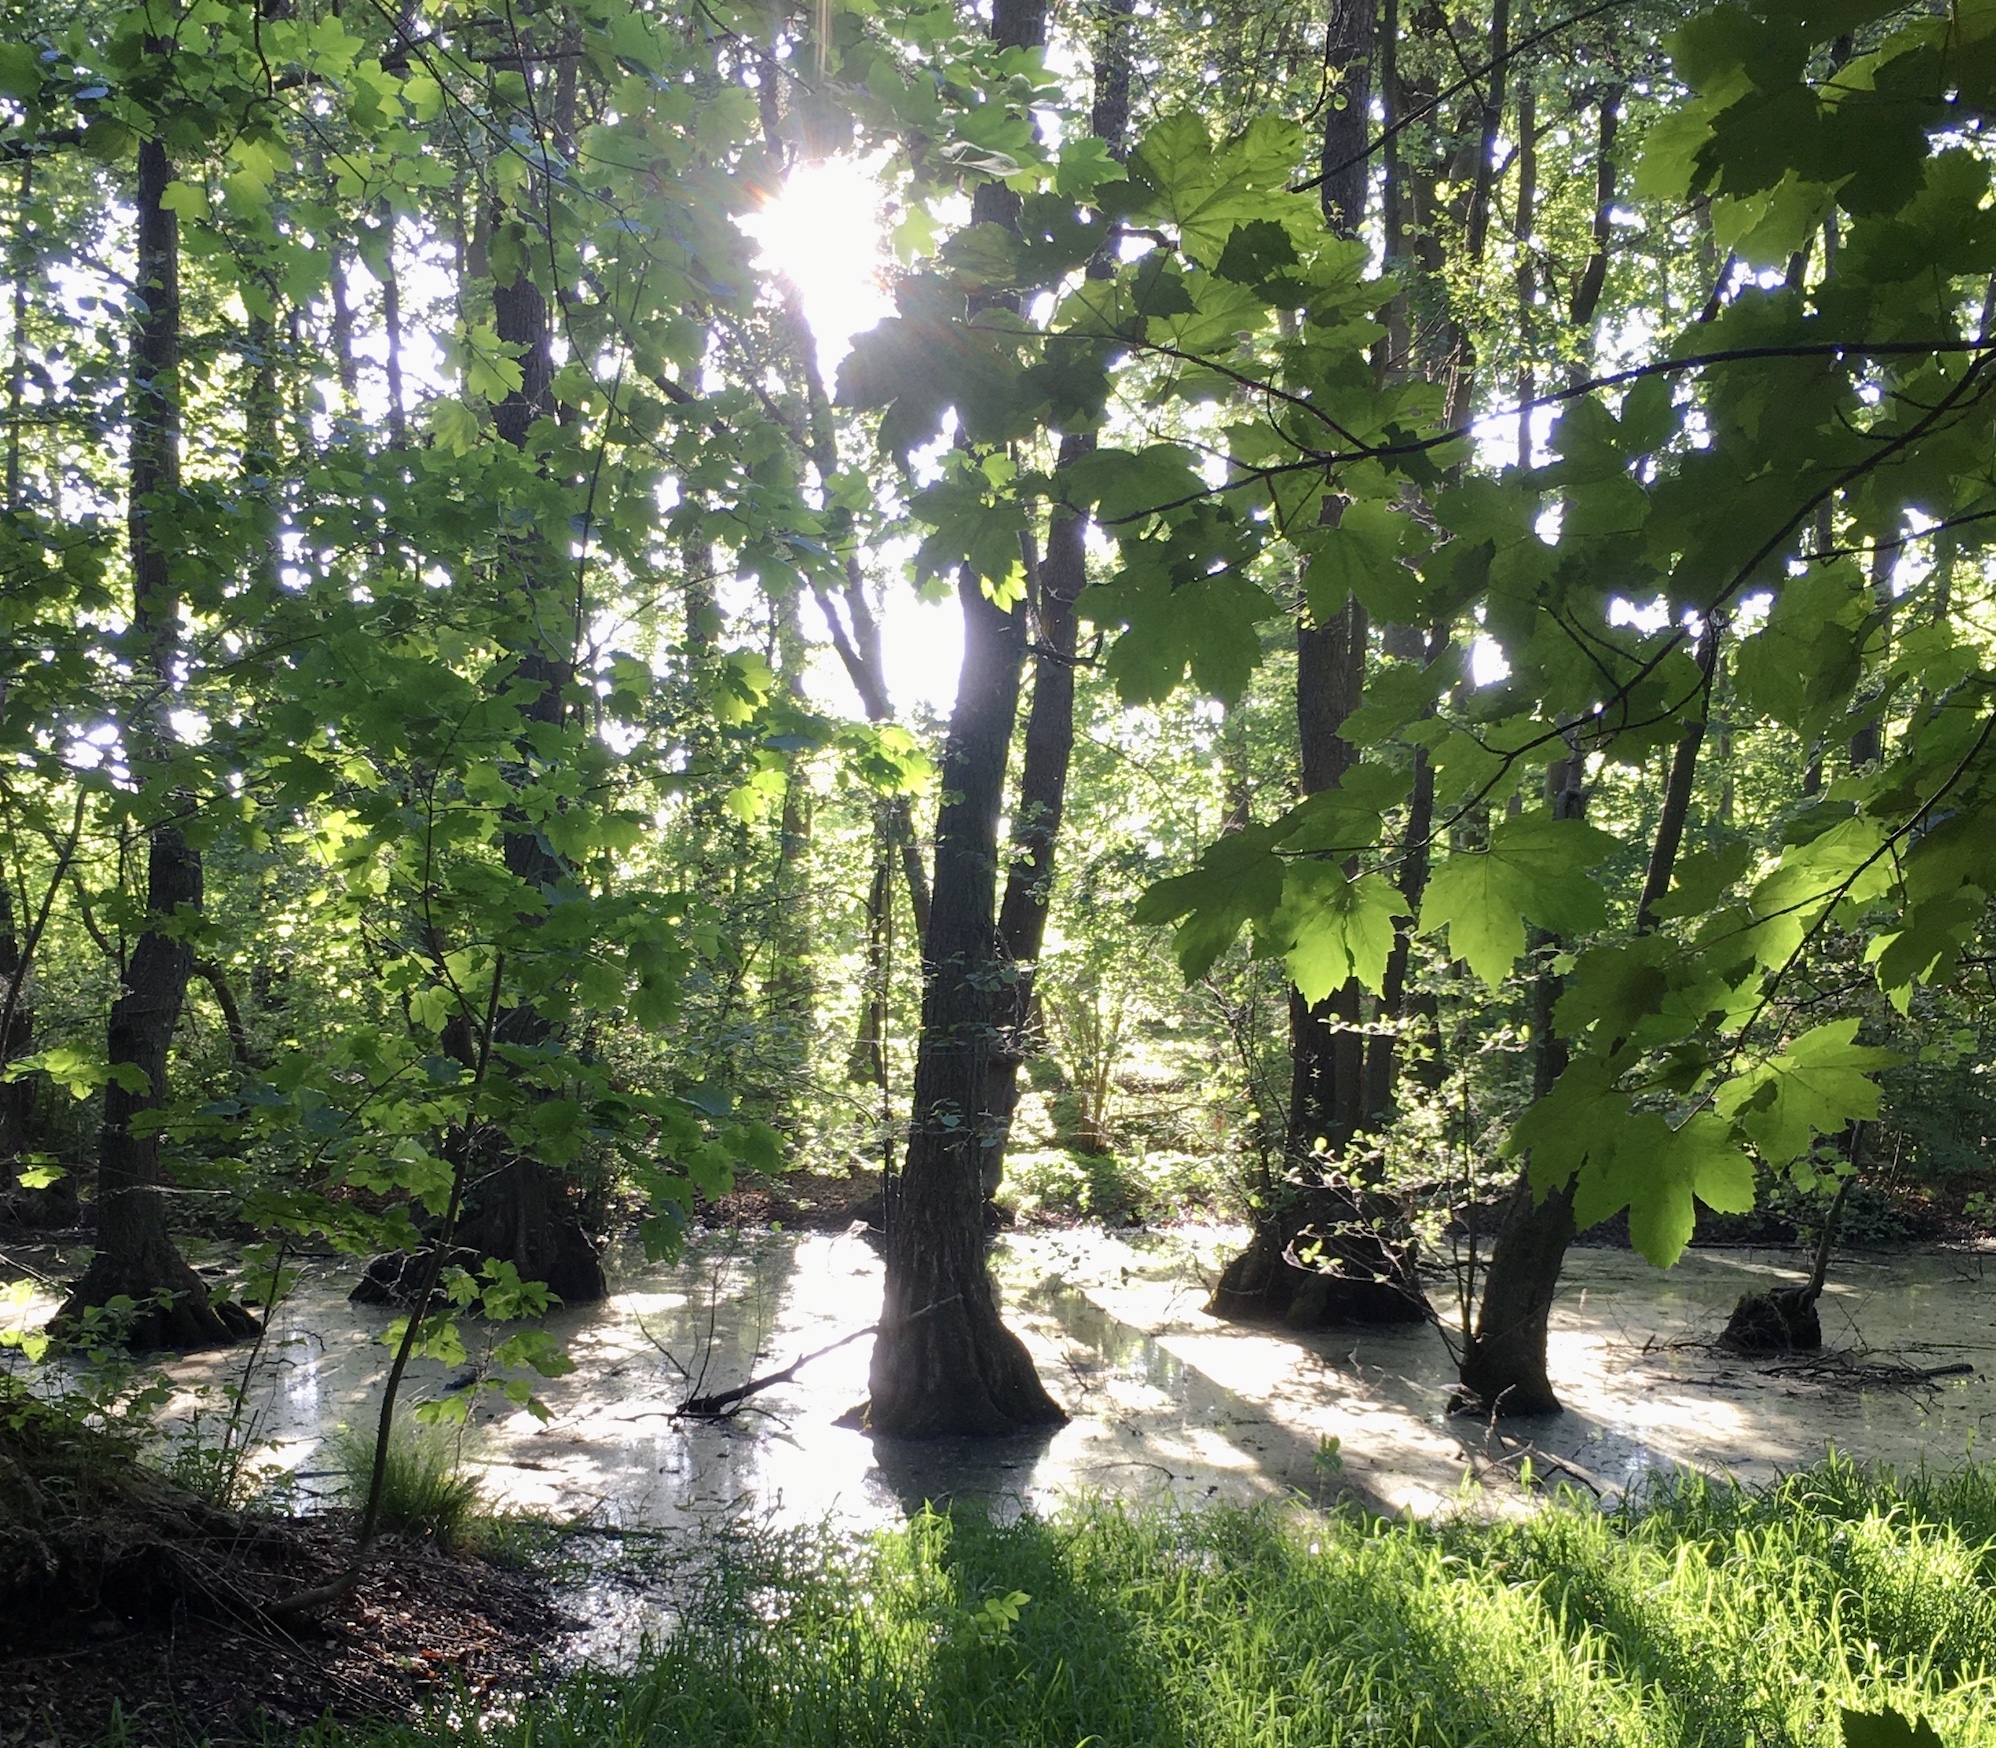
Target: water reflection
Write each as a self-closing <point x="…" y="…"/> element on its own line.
<point x="1164" y="1400"/>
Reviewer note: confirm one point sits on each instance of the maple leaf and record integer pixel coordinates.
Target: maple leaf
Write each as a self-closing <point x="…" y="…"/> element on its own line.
<point x="1815" y="1086"/>
<point x="1337" y="928"/>
<point x="1535" y="870"/>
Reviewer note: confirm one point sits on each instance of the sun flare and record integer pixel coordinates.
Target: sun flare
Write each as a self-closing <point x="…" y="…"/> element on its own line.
<point x="825" y="233"/>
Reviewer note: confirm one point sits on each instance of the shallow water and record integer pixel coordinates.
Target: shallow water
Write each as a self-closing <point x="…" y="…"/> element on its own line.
<point x="1164" y="1400"/>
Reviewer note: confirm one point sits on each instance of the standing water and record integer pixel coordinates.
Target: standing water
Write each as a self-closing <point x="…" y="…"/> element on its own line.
<point x="1163" y="1399"/>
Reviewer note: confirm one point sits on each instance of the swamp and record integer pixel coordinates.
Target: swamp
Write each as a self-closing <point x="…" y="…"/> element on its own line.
<point x="972" y="872"/>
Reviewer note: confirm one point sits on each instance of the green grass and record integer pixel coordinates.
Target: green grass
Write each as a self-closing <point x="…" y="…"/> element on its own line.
<point x="425" y="1491"/>
<point x="1706" y="1616"/>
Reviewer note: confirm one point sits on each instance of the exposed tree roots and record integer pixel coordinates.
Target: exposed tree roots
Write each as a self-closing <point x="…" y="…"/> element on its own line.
<point x="1330" y="1254"/>
<point x="171" y="1305"/>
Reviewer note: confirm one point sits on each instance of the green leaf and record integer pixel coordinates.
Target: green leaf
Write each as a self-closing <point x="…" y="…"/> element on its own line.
<point x="185" y="199"/>
<point x="1256" y="252"/>
<point x="1580" y="1117"/>
<point x="1660" y="1174"/>
<point x="1536" y="870"/>
<point x="454" y="426"/>
<point x="1238" y="880"/>
<point x="1815" y="1086"/>
<point x="1360" y="556"/>
<point x="1702" y="878"/>
<point x="1337" y="928"/>
<point x="1083" y="167"/>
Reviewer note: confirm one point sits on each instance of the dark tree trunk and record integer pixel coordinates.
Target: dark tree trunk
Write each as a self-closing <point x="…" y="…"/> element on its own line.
<point x="1022" y="917"/>
<point x="944" y="1362"/>
<point x="135" y="1255"/>
<point x="1327" y="1050"/>
<point x="518" y="1210"/>
<point x="1326" y="1249"/>
<point x="57" y="1204"/>
<point x="1345" y="164"/>
<point x="1397" y="1005"/>
<point x="1504" y="1363"/>
<point x="1063" y="574"/>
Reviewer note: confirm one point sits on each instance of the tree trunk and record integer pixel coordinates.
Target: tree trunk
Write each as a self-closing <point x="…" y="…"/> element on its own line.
<point x="792" y="986"/>
<point x="135" y="1255"/>
<point x="1327" y="1050"/>
<point x="1504" y="1364"/>
<point x="944" y="1362"/>
<point x="1022" y="917"/>
<point x="56" y="1205"/>
<point x="1397" y="1004"/>
<point x="1063" y="574"/>
<point x="1326" y="1249"/>
<point x="520" y="1211"/>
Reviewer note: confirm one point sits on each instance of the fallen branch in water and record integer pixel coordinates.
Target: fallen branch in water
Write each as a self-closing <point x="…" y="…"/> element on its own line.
<point x="724" y="1402"/>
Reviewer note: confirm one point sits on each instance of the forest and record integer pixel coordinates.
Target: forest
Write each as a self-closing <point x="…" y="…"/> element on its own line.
<point x="1288" y="705"/>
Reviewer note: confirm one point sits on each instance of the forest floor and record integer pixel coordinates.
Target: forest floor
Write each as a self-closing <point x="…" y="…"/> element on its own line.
<point x="133" y="1609"/>
<point x="421" y="1626"/>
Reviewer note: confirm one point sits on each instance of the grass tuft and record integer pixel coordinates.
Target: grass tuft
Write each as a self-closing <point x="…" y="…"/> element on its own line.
<point x="426" y="1492"/>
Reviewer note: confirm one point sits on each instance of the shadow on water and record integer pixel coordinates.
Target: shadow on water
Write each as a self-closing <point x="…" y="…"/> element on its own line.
<point x="1102" y="1351"/>
<point x="993" y="1473"/>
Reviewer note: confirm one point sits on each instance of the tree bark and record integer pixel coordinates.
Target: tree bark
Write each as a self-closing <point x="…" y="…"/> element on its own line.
<point x="944" y="1361"/>
<point x="17" y="1097"/>
<point x="135" y="1255"/>
<point x="1504" y="1364"/>
<point x="1036" y="815"/>
<point x="1327" y="1051"/>
<point x="1326" y="1250"/>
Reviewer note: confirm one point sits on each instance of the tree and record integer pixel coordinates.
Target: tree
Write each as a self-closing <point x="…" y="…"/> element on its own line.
<point x="1324" y="1251"/>
<point x="944" y="1362"/>
<point x="135" y="1258"/>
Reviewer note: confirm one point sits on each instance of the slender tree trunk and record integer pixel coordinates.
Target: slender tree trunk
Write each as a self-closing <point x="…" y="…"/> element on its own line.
<point x="1326" y="1251"/>
<point x="135" y="1254"/>
<point x="1063" y="574"/>
<point x="1327" y="1050"/>
<point x="792" y="988"/>
<point x="944" y="1362"/>
<point x="1397" y="1004"/>
<point x="391" y="326"/>
<point x="867" y="1061"/>
<point x="519" y="1210"/>
<point x="17" y="1097"/>
<point x="1504" y="1363"/>
<point x="17" y="368"/>
<point x="1524" y="222"/>
<point x="344" y="364"/>
<point x="1036" y="814"/>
